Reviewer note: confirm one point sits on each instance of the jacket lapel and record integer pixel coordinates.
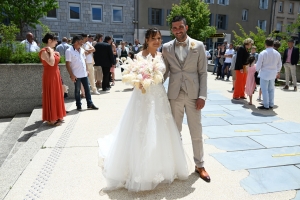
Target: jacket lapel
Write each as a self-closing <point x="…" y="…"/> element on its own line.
<point x="189" y="52"/>
<point x="173" y="54"/>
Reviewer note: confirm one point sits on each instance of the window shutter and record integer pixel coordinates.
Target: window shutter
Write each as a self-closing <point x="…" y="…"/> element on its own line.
<point x="217" y="21"/>
<point x="150" y="16"/>
<point x="227" y="2"/>
<point x="212" y="1"/>
<point x="265" y="25"/>
<point x="211" y="19"/>
<point x="162" y="17"/>
<point x="260" y="4"/>
<point x="219" y="1"/>
<point x="266" y="4"/>
<point x="226" y="22"/>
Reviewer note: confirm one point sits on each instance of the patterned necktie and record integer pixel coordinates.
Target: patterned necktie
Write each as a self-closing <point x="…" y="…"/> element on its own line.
<point x="183" y="44"/>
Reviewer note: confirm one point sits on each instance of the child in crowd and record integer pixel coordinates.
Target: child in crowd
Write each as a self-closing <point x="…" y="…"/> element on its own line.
<point x="250" y="82"/>
<point x="131" y="55"/>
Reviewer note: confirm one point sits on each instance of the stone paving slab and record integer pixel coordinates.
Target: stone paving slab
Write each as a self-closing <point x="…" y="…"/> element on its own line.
<point x="217" y="113"/>
<point x="218" y="102"/>
<point x="216" y="96"/>
<point x="234" y="107"/>
<point x="215" y="122"/>
<point x="258" y="158"/>
<point x="280" y="140"/>
<point x="272" y="179"/>
<point x="213" y="108"/>
<point x="234" y="144"/>
<point x="239" y="130"/>
<point x="288" y="127"/>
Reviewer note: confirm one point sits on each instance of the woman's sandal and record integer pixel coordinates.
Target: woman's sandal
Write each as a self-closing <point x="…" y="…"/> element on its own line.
<point x="60" y="120"/>
<point x="57" y="123"/>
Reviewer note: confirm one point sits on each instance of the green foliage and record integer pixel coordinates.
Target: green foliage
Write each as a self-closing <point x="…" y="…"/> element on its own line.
<point x="8" y="33"/>
<point x="26" y="12"/>
<point x="45" y="29"/>
<point x="197" y="16"/>
<point x="259" y="37"/>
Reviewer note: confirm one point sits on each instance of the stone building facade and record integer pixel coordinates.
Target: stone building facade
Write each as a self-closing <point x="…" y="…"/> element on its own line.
<point x="285" y="13"/>
<point x="109" y="17"/>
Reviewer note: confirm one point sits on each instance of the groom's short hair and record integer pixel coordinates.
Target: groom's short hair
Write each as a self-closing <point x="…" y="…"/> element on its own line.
<point x="178" y="18"/>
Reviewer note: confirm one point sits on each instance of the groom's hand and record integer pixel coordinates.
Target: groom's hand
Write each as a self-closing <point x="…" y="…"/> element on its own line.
<point x="200" y="103"/>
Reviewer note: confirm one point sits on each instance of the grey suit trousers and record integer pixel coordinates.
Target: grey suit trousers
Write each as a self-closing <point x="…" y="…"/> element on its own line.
<point x="178" y="106"/>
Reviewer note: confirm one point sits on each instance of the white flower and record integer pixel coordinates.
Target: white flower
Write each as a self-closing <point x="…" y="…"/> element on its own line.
<point x="192" y="45"/>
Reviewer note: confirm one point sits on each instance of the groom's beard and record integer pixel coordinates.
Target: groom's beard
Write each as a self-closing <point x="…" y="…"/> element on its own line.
<point x="181" y="38"/>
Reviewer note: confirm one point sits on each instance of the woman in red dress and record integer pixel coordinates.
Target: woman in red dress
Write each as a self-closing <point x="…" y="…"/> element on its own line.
<point x="53" y="100"/>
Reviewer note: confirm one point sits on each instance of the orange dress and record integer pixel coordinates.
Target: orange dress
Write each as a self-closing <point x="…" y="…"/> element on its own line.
<point x="53" y="100"/>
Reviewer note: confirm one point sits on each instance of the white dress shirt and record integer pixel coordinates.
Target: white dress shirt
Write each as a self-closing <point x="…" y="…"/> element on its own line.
<point x="31" y="47"/>
<point x="77" y="61"/>
<point x="181" y="51"/>
<point x="89" y="57"/>
<point x="229" y="52"/>
<point x="268" y="63"/>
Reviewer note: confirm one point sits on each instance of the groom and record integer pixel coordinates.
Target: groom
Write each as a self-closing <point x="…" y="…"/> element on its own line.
<point x="186" y="62"/>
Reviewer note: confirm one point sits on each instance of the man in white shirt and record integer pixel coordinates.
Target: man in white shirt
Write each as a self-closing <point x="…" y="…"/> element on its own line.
<point x="61" y="48"/>
<point x="269" y="64"/>
<point x="30" y="44"/>
<point x="228" y="58"/>
<point x="89" y="49"/>
<point x="76" y="66"/>
<point x="207" y="53"/>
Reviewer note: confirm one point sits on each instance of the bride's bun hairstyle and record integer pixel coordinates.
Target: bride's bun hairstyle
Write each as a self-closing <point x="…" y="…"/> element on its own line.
<point x="151" y="32"/>
<point x="49" y="36"/>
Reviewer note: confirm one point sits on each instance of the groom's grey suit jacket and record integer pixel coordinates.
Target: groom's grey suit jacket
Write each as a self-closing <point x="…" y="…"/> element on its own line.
<point x="193" y="71"/>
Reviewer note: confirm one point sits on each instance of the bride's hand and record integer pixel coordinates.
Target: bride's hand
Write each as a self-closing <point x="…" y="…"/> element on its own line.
<point x="141" y="86"/>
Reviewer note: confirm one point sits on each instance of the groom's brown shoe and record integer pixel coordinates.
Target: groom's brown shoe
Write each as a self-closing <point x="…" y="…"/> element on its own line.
<point x="203" y="174"/>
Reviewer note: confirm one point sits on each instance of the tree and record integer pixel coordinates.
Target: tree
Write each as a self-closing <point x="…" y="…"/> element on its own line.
<point x="26" y="12"/>
<point x="197" y="16"/>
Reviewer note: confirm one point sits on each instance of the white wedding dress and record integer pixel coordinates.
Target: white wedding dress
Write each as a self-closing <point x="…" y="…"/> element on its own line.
<point x="145" y="149"/>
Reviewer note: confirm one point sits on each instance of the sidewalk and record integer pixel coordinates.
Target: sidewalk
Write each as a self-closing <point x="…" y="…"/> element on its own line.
<point x="65" y="166"/>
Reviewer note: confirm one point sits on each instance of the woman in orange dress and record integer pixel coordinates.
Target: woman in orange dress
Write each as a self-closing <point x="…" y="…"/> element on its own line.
<point x="53" y="100"/>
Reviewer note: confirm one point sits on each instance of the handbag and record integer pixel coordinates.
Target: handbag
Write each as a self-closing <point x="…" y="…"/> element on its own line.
<point x="257" y="79"/>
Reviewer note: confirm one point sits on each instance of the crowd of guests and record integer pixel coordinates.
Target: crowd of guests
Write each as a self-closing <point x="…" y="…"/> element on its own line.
<point x="91" y="62"/>
<point x="249" y="68"/>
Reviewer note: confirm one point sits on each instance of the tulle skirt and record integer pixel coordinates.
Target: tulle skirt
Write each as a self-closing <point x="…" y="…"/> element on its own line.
<point x="145" y="149"/>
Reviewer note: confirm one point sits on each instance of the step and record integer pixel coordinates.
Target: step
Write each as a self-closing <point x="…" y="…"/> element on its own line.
<point x="11" y="134"/>
<point x="4" y="122"/>
<point x="33" y="123"/>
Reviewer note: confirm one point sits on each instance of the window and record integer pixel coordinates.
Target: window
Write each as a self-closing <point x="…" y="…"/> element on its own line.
<point x="74" y="34"/>
<point x="117" y="14"/>
<point x="96" y="12"/>
<point x="262" y="24"/>
<point x="279" y="26"/>
<point x="223" y="2"/>
<point x="245" y="15"/>
<point x="118" y="38"/>
<point x="291" y="9"/>
<point x="209" y="1"/>
<point x="263" y="4"/>
<point x="155" y="16"/>
<point x="52" y="13"/>
<point x="168" y="13"/>
<point x="221" y="22"/>
<point x="74" y="11"/>
<point x="280" y="8"/>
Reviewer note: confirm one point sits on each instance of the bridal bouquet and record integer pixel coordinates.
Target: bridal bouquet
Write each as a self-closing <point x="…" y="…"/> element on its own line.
<point x="142" y="72"/>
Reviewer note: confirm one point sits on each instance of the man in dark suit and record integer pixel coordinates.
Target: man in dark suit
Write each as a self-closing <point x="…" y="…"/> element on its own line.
<point x="290" y="60"/>
<point x="104" y="57"/>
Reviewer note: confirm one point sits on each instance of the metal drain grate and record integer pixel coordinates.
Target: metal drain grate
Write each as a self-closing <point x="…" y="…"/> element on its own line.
<point x="40" y="182"/>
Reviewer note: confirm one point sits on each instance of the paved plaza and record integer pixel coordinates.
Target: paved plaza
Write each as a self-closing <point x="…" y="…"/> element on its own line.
<point x="249" y="154"/>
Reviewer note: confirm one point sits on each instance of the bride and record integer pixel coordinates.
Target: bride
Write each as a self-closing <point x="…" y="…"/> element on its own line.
<point x="145" y="149"/>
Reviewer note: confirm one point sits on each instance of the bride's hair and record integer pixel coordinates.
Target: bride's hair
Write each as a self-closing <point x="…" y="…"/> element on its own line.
<point x="150" y="33"/>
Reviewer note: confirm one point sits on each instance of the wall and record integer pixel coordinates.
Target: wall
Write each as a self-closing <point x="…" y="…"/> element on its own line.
<point x="21" y="87"/>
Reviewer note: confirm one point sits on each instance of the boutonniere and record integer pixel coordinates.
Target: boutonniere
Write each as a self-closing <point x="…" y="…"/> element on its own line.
<point x="192" y="45"/>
